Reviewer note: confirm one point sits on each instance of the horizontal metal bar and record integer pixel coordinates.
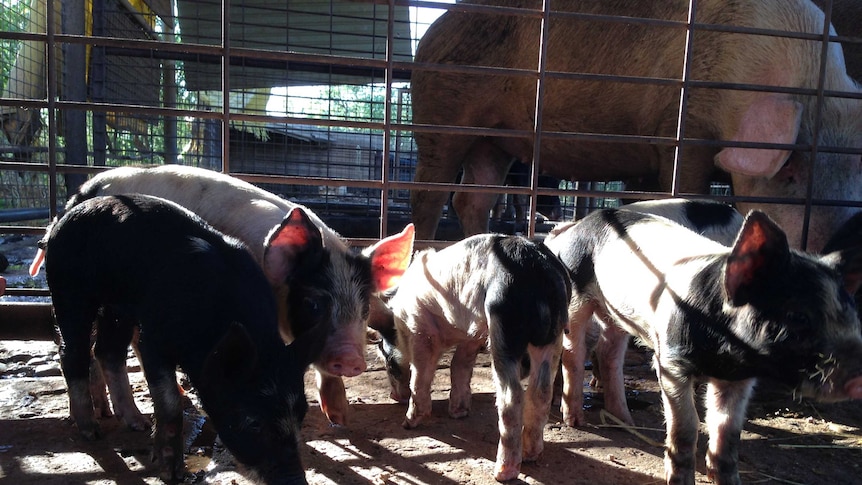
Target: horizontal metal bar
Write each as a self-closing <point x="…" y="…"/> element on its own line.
<point x="27" y="321"/>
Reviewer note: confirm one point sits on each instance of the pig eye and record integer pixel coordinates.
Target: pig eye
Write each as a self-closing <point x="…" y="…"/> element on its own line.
<point x="797" y="319"/>
<point x="254" y="426"/>
<point x="312" y="305"/>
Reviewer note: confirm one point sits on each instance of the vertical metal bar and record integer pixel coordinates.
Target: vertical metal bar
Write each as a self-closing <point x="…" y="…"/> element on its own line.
<point x="537" y="122"/>
<point x="387" y="118"/>
<point x="74" y="89"/>
<point x="51" y="59"/>
<point x="683" y="104"/>
<point x="225" y="86"/>
<point x="818" y="119"/>
<point x="169" y="76"/>
<point x="98" y="68"/>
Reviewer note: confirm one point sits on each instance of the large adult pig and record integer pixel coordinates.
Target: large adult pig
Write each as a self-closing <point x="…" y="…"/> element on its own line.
<point x="598" y="106"/>
<point x="505" y="293"/>
<point x="726" y="315"/>
<point x="201" y="303"/>
<point x="335" y="292"/>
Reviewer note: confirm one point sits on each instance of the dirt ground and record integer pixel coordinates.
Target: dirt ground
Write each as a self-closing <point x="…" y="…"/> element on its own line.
<point x="784" y="441"/>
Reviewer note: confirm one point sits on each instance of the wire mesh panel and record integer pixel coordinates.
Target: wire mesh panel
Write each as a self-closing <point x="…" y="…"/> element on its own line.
<point x="329" y="99"/>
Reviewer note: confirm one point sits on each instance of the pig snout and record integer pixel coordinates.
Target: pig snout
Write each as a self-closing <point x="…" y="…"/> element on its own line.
<point x="346" y="362"/>
<point x="853" y="388"/>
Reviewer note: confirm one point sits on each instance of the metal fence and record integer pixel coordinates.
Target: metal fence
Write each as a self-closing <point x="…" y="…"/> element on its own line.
<point x="310" y="99"/>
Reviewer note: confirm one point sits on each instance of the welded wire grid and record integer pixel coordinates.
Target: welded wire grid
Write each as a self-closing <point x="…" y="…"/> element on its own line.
<point x="309" y="99"/>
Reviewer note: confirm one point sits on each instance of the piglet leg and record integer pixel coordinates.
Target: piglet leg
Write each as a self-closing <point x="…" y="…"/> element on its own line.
<point x="574" y="353"/>
<point x="101" y="406"/>
<point x="461" y="372"/>
<point x="75" y="324"/>
<point x="510" y="406"/>
<point x="121" y="395"/>
<point x="543" y="367"/>
<point x="726" y="403"/>
<point x="168" y="413"/>
<point x="677" y="395"/>
<point x="112" y="344"/>
<point x="333" y="397"/>
<point x="426" y="354"/>
<point x="611" y="351"/>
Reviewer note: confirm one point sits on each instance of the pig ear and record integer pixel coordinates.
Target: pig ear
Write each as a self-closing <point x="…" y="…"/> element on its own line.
<point x="769" y="119"/>
<point x="390" y="258"/>
<point x="232" y="361"/>
<point x="294" y="242"/>
<point x="759" y="252"/>
<point x="848" y="261"/>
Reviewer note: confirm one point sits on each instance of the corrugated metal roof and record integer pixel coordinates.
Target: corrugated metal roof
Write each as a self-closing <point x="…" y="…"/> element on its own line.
<point x="343" y="28"/>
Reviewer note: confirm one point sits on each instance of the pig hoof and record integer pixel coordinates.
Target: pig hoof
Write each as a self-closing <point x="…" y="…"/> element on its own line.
<point x="459" y="413"/>
<point x="573" y="419"/>
<point x="411" y="423"/>
<point x="336" y="414"/>
<point x="337" y="420"/>
<point x="90" y="432"/>
<point x="103" y="411"/>
<point x="138" y="423"/>
<point x="532" y="453"/>
<point x="504" y="473"/>
<point x="172" y="468"/>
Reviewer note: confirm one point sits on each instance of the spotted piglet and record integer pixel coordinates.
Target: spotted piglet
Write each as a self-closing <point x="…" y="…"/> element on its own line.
<point x="503" y="292"/>
<point x="714" y="220"/>
<point x="728" y="315"/>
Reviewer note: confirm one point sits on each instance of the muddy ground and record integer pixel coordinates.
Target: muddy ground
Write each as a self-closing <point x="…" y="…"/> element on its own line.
<point x="784" y="441"/>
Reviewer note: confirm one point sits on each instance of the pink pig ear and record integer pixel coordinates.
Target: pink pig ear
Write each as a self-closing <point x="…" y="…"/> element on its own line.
<point x="294" y="242"/>
<point x="769" y="119"/>
<point x="390" y="258"/>
<point x="759" y="253"/>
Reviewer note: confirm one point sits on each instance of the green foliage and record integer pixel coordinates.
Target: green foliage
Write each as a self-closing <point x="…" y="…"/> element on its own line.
<point x="349" y="102"/>
<point x="14" y="15"/>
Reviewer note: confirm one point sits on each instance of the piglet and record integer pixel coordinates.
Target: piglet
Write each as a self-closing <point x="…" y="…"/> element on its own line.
<point x="711" y="219"/>
<point x="725" y="314"/>
<point x="201" y="303"/>
<point x="503" y="292"/>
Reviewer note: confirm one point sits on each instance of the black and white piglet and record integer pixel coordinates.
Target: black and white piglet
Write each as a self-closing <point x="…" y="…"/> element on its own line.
<point x="503" y="292"/>
<point x="714" y="220"/>
<point x="202" y="303"/>
<point x="728" y="315"/>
